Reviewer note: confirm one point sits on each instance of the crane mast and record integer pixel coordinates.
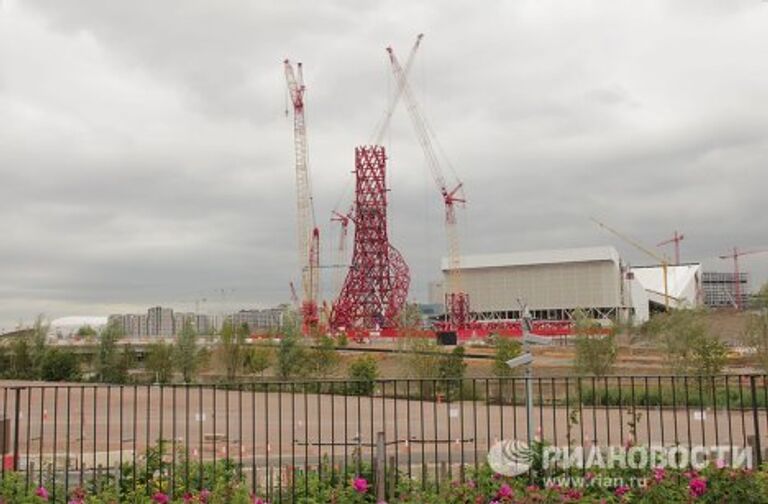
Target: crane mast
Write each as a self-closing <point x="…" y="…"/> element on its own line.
<point x="676" y="239"/>
<point x="308" y="233"/>
<point x="457" y="302"/>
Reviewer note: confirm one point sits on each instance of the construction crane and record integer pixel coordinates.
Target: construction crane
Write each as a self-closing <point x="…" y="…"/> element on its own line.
<point x="676" y="239"/>
<point x="308" y="233"/>
<point x="662" y="260"/>
<point x="341" y="248"/>
<point x="735" y="254"/>
<point x="456" y="301"/>
<point x="383" y="126"/>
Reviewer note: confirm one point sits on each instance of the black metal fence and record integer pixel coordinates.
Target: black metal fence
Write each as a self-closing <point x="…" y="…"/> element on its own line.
<point x="64" y="436"/>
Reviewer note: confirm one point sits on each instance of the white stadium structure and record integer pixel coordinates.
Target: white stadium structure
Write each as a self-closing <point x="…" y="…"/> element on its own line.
<point x="554" y="283"/>
<point x="66" y="327"/>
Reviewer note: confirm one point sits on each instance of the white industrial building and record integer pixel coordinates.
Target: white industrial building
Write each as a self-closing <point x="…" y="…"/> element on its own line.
<point x="684" y="285"/>
<point x="554" y="283"/>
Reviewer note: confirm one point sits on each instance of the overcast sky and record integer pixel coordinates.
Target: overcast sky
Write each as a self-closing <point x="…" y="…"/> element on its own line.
<point x="146" y="156"/>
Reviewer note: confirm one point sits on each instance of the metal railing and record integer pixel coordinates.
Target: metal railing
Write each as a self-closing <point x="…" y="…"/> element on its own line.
<point x="427" y="431"/>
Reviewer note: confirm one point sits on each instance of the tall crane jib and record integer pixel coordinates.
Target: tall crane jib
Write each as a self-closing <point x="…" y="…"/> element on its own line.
<point x="457" y="301"/>
<point x="307" y="231"/>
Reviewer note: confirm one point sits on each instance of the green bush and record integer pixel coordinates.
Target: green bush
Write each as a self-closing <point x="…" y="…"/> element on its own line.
<point x="60" y="365"/>
<point x="363" y="371"/>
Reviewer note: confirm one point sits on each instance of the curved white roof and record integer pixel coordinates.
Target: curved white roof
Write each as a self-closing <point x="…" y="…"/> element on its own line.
<point x="77" y="322"/>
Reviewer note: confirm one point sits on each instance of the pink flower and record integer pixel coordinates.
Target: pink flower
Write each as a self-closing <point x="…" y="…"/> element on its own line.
<point x="573" y="494"/>
<point x="257" y="500"/>
<point x="720" y="463"/>
<point x="504" y="491"/>
<point x="697" y="487"/>
<point x="532" y="488"/>
<point x="205" y="494"/>
<point x="42" y="493"/>
<point x="160" y="498"/>
<point x="658" y="474"/>
<point x="589" y="476"/>
<point x="188" y="498"/>
<point x="621" y="490"/>
<point x="691" y="474"/>
<point x="360" y="485"/>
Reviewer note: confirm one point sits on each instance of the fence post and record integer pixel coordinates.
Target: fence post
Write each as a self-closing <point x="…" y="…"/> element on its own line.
<point x="379" y="470"/>
<point x="756" y="419"/>
<point x="16" y="418"/>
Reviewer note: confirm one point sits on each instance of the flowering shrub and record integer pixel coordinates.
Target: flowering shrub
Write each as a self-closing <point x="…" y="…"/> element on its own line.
<point x="714" y="484"/>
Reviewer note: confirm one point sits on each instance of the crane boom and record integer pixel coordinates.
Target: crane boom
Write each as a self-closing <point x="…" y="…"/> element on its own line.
<point x="395" y="98"/>
<point x="734" y="255"/>
<point x="676" y="239"/>
<point x="662" y="260"/>
<point x="308" y="233"/>
<point x="457" y="304"/>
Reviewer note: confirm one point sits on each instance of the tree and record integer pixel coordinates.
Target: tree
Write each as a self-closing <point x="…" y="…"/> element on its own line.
<point x="159" y="361"/>
<point x="39" y="340"/>
<point x="595" y="352"/>
<point x="21" y="360"/>
<point x="231" y="345"/>
<point x="187" y="355"/>
<point x="761" y="299"/>
<point x="291" y="357"/>
<point x="421" y="358"/>
<point x="87" y="333"/>
<point x="363" y="372"/>
<point x="258" y="359"/>
<point x="323" y="358"/>
<point x="5" y="360"/>
<point x="506" y="349"/>
<point x="687" y="345"/>
<point x="451" y="368"/>
<point x="60" y="365"/>
<point x="111" y="365"/>
<point x="410" y="317"/>
<point x="756" y="334"/>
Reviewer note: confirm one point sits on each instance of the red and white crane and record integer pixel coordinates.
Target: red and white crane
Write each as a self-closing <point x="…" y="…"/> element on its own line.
<point x="676" y="239"/>
<point x="456" y="301"/>
<point x="308" y="233"/>
<point x="735" y="254"/>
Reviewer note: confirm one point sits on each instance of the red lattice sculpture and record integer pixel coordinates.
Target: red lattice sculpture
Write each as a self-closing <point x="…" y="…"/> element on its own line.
<point x="375" y="288"/>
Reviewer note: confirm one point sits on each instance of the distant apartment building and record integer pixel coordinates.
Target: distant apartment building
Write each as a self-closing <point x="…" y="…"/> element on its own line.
<point x="720" y="289"/>
<point x="163" y="322"/>
<point x="160" y="321"/>
<point x="260" y="320"/>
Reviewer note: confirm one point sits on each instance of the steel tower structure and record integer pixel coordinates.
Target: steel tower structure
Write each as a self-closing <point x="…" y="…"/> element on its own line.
<point x="376" y="286"/>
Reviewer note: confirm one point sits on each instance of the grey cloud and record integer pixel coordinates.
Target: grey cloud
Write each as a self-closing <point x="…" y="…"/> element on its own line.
<point x="145" y="155"/>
